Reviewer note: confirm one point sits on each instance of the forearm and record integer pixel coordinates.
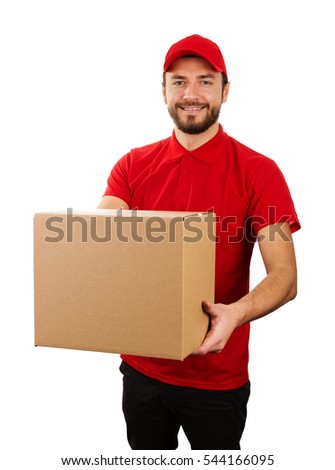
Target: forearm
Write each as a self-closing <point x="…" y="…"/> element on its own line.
<point x="278" y="287"/>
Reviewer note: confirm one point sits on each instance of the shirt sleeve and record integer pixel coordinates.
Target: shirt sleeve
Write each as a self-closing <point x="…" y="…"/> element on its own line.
<point x="270" y="197"/>
<point x="117" y="182"/>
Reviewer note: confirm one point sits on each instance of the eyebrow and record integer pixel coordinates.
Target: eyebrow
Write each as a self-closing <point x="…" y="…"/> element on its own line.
<point x="207" y="75"/>
<point x="182" y="77"/>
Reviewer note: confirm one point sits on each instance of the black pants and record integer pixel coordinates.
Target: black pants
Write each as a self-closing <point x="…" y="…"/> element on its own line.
<point x="154" y="412"/>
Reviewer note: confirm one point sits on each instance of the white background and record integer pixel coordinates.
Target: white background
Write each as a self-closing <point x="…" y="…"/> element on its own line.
<point x="80" y="86"/>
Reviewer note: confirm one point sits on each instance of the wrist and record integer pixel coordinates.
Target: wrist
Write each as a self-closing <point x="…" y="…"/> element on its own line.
<point x="241" y="310"/>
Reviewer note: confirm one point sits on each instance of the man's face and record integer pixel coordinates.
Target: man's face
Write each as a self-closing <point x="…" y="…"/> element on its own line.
<point x="193" y="94"/>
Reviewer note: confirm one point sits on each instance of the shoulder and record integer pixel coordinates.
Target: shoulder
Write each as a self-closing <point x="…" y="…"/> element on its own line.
<point x="258" y="171"/>
<point x="251" y="161"/>
<point x="246" y="154"/>
<point x="138" y="157"/>
<point x="150" y="148"/>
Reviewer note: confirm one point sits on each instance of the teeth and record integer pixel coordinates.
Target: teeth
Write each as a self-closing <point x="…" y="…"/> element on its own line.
<point x="191" y="108"/>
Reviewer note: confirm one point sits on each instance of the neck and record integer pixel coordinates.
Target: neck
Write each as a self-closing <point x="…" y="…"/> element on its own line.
<point x="193" y="141"/>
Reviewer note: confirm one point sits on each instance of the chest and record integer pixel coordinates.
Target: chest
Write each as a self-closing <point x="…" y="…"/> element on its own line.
<point x="189" y="184"/>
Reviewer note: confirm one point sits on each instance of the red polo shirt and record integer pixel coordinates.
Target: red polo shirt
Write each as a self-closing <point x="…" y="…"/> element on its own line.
<point x="246" y="191"/>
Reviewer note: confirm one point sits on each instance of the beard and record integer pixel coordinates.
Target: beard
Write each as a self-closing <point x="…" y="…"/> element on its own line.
<point x="189" y="125"/>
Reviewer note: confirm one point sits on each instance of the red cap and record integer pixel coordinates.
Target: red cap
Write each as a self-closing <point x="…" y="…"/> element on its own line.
<point x="198" y="46"/>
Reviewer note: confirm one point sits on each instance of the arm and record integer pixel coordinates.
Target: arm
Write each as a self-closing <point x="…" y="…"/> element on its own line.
<point x="278" y="287"/>
<point x="112" y="202"/>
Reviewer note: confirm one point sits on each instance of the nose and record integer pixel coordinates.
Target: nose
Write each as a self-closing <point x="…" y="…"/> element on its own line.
<point x="190" y="92"/>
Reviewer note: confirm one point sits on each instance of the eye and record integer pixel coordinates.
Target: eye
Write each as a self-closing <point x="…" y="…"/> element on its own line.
<point x="205" y="82"/>
<point x="178" y="83"/>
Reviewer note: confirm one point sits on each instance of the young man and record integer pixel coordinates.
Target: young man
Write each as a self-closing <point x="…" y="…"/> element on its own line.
<point x="201" y="168"/>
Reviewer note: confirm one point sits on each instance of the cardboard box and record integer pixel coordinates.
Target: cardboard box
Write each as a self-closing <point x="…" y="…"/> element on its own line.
<point x="123" y="281"/>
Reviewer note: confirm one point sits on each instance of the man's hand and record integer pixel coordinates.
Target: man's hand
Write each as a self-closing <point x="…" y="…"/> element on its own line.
<point x="223" y="320"/>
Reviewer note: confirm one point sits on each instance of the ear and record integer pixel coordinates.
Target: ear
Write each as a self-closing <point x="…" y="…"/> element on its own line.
<point x="164" y="93"/>
<point x="225" y="92"/>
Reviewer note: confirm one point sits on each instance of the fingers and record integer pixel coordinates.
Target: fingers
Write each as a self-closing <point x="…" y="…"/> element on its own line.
<point x="220" y="330"/>
<point x="210" y="344"/>
<point x="210" y="339"/>
<point x="207" y="306"/>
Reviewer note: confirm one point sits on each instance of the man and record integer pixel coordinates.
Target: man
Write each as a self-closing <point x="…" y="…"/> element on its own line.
<point x="201" y="168"/>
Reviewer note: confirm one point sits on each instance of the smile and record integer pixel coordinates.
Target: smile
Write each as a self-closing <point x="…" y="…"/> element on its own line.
<point x="192" y="108"/>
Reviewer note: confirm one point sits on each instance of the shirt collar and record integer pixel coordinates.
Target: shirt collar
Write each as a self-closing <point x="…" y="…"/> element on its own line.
<point x="208" y="152"/>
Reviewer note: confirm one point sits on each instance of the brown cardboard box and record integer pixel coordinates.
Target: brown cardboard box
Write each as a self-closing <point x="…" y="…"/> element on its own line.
<point x="123" y="281"/>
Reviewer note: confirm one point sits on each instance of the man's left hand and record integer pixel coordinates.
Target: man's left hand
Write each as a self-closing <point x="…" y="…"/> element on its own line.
<point x="224" y="320"/>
